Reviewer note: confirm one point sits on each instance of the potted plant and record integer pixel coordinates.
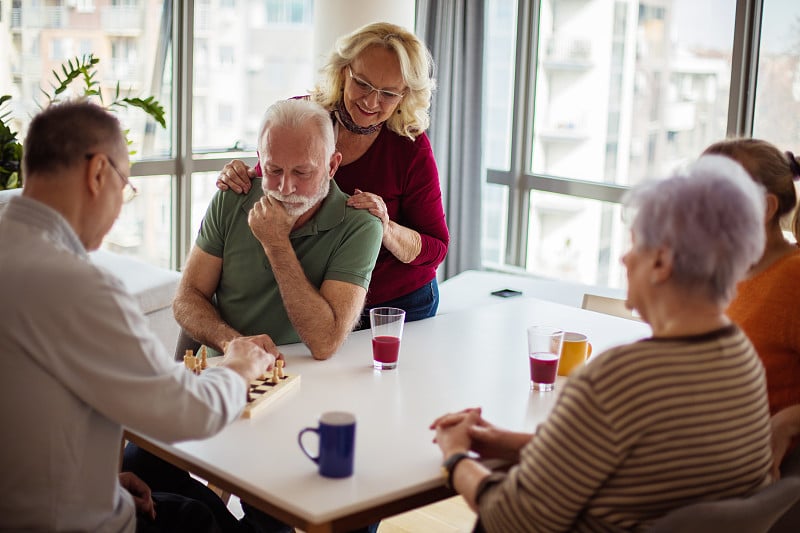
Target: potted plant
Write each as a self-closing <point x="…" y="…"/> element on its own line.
<point x="10" y="151"/>
<point x="80" y="68"/>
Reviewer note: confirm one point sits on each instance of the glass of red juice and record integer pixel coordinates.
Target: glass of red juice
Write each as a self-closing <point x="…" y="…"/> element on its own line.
<point x="387" y="330"/>
<point x="544" y="352"/>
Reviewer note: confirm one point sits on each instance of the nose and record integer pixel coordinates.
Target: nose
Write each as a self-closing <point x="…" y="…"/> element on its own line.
<point x="286" y="184"/>
<point x="373" y="99"/>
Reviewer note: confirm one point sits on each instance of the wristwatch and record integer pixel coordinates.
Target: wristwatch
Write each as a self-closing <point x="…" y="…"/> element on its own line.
<point x="449" y="465"/>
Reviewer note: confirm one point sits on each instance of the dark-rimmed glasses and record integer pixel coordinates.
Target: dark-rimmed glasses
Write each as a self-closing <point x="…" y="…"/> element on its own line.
<point x="129" y="192"/>
<point x="366" y="88"/>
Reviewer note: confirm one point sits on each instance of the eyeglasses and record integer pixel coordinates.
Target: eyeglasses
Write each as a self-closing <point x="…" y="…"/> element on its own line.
<point x="129" y="192"/>
<point x="366" y="89"/>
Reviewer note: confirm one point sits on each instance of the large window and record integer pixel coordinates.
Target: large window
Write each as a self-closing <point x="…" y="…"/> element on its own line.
<point x="603" y="94"/>
<point x="583" y="98"/>
<point x="235" y="75"/>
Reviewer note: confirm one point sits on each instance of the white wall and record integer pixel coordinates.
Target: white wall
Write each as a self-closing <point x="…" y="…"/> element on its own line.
<point x="334" y="18"/>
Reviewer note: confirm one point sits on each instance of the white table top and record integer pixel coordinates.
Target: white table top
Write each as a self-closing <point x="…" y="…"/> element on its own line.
<point x="476" y="357"/>
<point x="474" y="287"/>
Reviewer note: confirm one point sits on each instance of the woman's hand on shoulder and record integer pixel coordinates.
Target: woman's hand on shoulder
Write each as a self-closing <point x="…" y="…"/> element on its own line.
<point x="236" y="176"/>
<point x="371" y="202"/>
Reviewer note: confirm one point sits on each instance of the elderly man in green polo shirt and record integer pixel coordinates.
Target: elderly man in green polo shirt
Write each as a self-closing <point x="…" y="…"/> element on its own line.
<point x="289" y="261"/>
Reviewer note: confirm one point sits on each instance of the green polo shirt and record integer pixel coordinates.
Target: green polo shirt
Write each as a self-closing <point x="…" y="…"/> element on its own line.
<point x="338" y="243"/>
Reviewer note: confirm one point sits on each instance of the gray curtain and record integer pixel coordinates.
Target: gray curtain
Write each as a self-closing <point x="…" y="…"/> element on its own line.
<point x="453" y="31"/>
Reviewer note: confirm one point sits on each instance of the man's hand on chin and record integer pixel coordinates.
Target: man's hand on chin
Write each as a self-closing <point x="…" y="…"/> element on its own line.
<point x="270" y="222"/>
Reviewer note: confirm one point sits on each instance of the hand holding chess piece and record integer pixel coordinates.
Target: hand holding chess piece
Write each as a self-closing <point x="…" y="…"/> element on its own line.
<point x="247" y="359"/>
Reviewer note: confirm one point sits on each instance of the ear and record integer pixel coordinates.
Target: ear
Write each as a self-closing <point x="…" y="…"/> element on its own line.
<point x="661" y="266"/>
<point x="336" y="159"/>
<point x="94" y="176"/>
<point x="772" y="207"/>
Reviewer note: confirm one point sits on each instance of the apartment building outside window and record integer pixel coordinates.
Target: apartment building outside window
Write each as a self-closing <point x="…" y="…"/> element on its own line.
<point x="586" y="98"/>
<point x="583" y="98"/>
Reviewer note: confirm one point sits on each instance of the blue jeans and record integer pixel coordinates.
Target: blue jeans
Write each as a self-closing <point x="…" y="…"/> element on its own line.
<point x="419" y="304"/>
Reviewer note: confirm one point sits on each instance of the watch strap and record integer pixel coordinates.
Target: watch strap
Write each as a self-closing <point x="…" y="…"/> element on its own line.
<point x="449" y="466"/>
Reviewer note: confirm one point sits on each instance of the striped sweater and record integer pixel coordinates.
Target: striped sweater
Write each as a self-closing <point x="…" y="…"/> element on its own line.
<point x="643" y="429"/>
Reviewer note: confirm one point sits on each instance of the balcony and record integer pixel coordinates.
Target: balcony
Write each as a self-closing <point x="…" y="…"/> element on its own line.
<point x="568" y="54"/>
<point x="16" y="18"/>
<point x="121" y="20"/>
<point x="38" y="17"/>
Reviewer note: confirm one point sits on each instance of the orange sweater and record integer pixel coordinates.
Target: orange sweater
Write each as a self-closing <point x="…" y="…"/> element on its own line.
<point x="767" y="308"/>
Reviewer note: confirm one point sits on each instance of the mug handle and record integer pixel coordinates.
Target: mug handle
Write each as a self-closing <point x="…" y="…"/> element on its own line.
<point x="300" y="442"/>
<point x="589" y="350"/>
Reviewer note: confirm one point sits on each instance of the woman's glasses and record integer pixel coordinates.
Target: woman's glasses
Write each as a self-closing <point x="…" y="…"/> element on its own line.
<point x="366" y="89"/>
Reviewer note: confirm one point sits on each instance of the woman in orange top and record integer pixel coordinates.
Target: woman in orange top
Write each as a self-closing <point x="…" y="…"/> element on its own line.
<point x="766" y="302"/>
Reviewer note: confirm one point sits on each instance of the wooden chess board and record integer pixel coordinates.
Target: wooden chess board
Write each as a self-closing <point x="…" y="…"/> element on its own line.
<point x="264" y="392"/>
<point x="261" y="392"/>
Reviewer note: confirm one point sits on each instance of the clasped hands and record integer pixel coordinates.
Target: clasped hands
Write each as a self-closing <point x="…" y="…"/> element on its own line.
<point x="466" y="431"/>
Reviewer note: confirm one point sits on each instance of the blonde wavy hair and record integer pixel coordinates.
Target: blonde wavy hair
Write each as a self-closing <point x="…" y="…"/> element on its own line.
<point x="416" y="65"/>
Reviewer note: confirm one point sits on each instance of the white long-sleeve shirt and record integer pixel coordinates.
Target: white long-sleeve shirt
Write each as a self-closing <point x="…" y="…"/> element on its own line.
<point x="78" y="362"/>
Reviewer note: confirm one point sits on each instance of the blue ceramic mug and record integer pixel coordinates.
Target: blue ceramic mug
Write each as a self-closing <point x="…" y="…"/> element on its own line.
<point x="337" y="443"/>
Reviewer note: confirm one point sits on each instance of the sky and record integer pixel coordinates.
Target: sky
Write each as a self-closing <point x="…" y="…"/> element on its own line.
<point x="694" y="23"/>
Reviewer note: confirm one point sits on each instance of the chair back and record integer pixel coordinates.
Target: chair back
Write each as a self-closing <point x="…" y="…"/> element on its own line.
<point x="608" y="305"/>
<point x="755" y="514"/>
<point x="185" y="342"/>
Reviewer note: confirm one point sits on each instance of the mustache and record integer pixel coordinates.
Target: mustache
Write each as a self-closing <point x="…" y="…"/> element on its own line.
<point x="288" y="198"/>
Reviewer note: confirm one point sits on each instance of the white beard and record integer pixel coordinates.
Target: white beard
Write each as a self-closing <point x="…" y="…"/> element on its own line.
<point x="306" y="202"/>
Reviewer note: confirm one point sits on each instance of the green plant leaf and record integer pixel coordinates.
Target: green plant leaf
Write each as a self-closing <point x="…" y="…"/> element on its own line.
<point x="150" y="106"/>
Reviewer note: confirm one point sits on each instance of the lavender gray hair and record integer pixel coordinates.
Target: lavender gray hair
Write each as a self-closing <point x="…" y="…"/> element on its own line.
<point x="296" y="113"/>
<point x="710" y="216"/>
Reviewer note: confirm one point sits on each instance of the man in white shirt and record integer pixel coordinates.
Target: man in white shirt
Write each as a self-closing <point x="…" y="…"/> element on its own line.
<point x="79" y="361"/>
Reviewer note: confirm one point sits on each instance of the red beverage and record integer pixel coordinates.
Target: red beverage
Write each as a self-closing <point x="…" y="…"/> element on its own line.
<point x="543" y="367"/>
<point x="385" y="349"/>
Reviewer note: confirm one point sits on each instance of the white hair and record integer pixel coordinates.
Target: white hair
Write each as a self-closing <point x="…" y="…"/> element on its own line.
<point x="295" y="113"/>
<point x="711" y="217"/>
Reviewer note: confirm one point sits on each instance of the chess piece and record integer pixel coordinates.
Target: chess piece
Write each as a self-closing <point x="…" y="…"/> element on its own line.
<point x="279" y="364"/>
<point x="188" y="359"/>
<point x="274" y="380"/>
<point x="203" y="357"/>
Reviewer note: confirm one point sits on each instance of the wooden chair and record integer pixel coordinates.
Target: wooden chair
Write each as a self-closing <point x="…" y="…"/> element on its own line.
<point x="609" y="306"/>
<point x="755" y="514"/>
